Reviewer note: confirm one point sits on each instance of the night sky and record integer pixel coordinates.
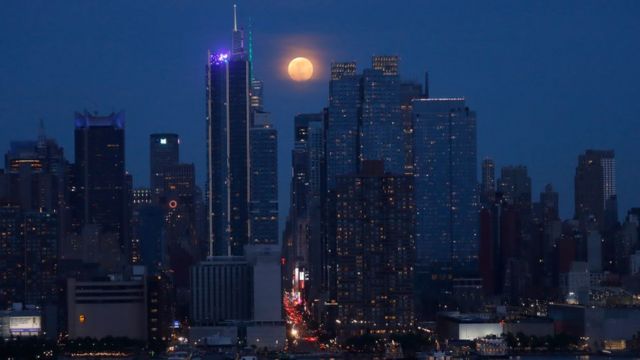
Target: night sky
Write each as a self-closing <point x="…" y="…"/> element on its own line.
<point x="548" y="79"/>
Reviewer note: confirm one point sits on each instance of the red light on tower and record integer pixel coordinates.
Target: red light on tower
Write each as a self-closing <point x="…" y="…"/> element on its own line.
<point x="173" y="204"/>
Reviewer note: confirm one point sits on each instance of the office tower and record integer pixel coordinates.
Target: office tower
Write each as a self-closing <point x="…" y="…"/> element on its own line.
<point x="263" y="221"/>
<point x="548" y="206"/>
<point x="343" y="124"/>
<point x="34" y="175"/>
<point x="100" y="180"/>
<point x="501" y="249"/>
<point x="163" y="152"/>
<point x="445" y="183"/>
<point x="488" y="183"/>
<point x="375" y="252"/>
<point x="408" y="92"/>
<point x="147" y="231"/>
<point x="228" y="120"/>
<point x="515" y="186"/>
<point x="28" y="261"/>
<point x="595" y="187"/>
<point x="382" y="131"/>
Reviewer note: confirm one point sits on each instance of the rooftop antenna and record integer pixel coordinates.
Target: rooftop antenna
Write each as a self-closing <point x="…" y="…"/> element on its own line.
<point x="251" y="48"/>
<point x="235" y="20"/>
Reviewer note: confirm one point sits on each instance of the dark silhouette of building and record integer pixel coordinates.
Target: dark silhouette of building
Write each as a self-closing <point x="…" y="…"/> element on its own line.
<point x="595" y="188"/>
<point x="375" y="252"/>
<point x="228" y="123"/>
<point x="263" y="210"/>
<point x="164" y="151"/>
<point x="102" y="194"/>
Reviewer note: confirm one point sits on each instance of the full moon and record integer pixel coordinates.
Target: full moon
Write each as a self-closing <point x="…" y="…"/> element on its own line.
<point x="300" y="69"/>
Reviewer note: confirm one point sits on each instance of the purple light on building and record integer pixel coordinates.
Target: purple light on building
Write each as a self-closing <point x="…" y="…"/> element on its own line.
<point x="220" y="57"/>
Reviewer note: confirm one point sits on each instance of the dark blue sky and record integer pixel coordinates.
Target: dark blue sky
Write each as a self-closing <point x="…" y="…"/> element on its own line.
<point x="548" y="79"/>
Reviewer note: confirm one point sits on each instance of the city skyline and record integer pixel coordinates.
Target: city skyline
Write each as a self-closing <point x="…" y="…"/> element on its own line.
<point x="392" y="204"/>
<point x="553" y="121"/>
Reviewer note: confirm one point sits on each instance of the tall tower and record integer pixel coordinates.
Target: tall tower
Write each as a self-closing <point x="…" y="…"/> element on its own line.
<point x="163" y="153"/>
<point x="488" y="184"/>
<point x="445" y="183"/>
<point x="100" y="173"/>
<point x="344" y="121"/>
<point x="228" y="122"/>
<point x="382" y="131"/>
<point x="595" y="187"/>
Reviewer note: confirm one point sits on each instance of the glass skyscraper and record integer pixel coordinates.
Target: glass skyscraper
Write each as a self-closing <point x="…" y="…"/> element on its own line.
<point x="264" y="181"/>
<point x="445" y="183"/>
<point x="382" y="136"/>
<point x="344" y="121"/>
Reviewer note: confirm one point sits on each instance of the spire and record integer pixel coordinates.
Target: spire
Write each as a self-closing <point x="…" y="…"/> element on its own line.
<point x="237" y="36"/>
<point x="251" y="48"/>
<point x="235" y="18"/>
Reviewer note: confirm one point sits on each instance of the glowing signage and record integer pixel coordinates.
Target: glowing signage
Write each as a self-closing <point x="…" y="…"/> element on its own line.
<point x="24" y="325"/>
<point x="163" y="141"/>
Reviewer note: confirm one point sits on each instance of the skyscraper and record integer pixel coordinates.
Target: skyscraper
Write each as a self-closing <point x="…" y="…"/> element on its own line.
<point x="228" y="121"/>
<point x="343" y="125"/>
<point x="100" y="174"/>
<point x="163" y="152"/>
<point x="445" y="183"/>
<point x="264" y="181"/>
<point x="595" y="187"/>
<point x="515" y="186"/>
<point x="488" y="184"/>
<point x="375" y="251"/>
<point x="382" y="130"/>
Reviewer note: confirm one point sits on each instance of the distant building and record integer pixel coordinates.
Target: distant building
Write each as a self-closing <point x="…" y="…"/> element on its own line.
<point x="99" y="309"/>
<point x="101" y="188"/>
<point x="164" y="151"/>
<point x="28" y="261"/>
<point x="228" y="124"/>
<point x="382" y="130"/>
<point x="263" y="208"/>
<point x="515" y="186"/>
<point x="445" y="166"/>
<point x="595" y="187"/>
<point x="459" y="326"/>
<point x="488" y="182"/>
<point x="375" y="252"/>
<point x="343" y="122"/>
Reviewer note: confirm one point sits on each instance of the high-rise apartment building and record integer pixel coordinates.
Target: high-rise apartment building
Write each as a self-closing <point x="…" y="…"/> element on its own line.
<point x="375" y="251"/>
<point x="343" y="125"/>
<point x="444" y="131"/>
<point x="382" y="130"/>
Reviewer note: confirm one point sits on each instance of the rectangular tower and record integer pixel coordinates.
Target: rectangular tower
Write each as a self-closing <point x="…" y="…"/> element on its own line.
<point x="445" y="183"/>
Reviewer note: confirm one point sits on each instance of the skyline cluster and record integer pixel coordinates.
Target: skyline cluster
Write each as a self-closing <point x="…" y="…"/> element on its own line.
<point x="542" y="88"/>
